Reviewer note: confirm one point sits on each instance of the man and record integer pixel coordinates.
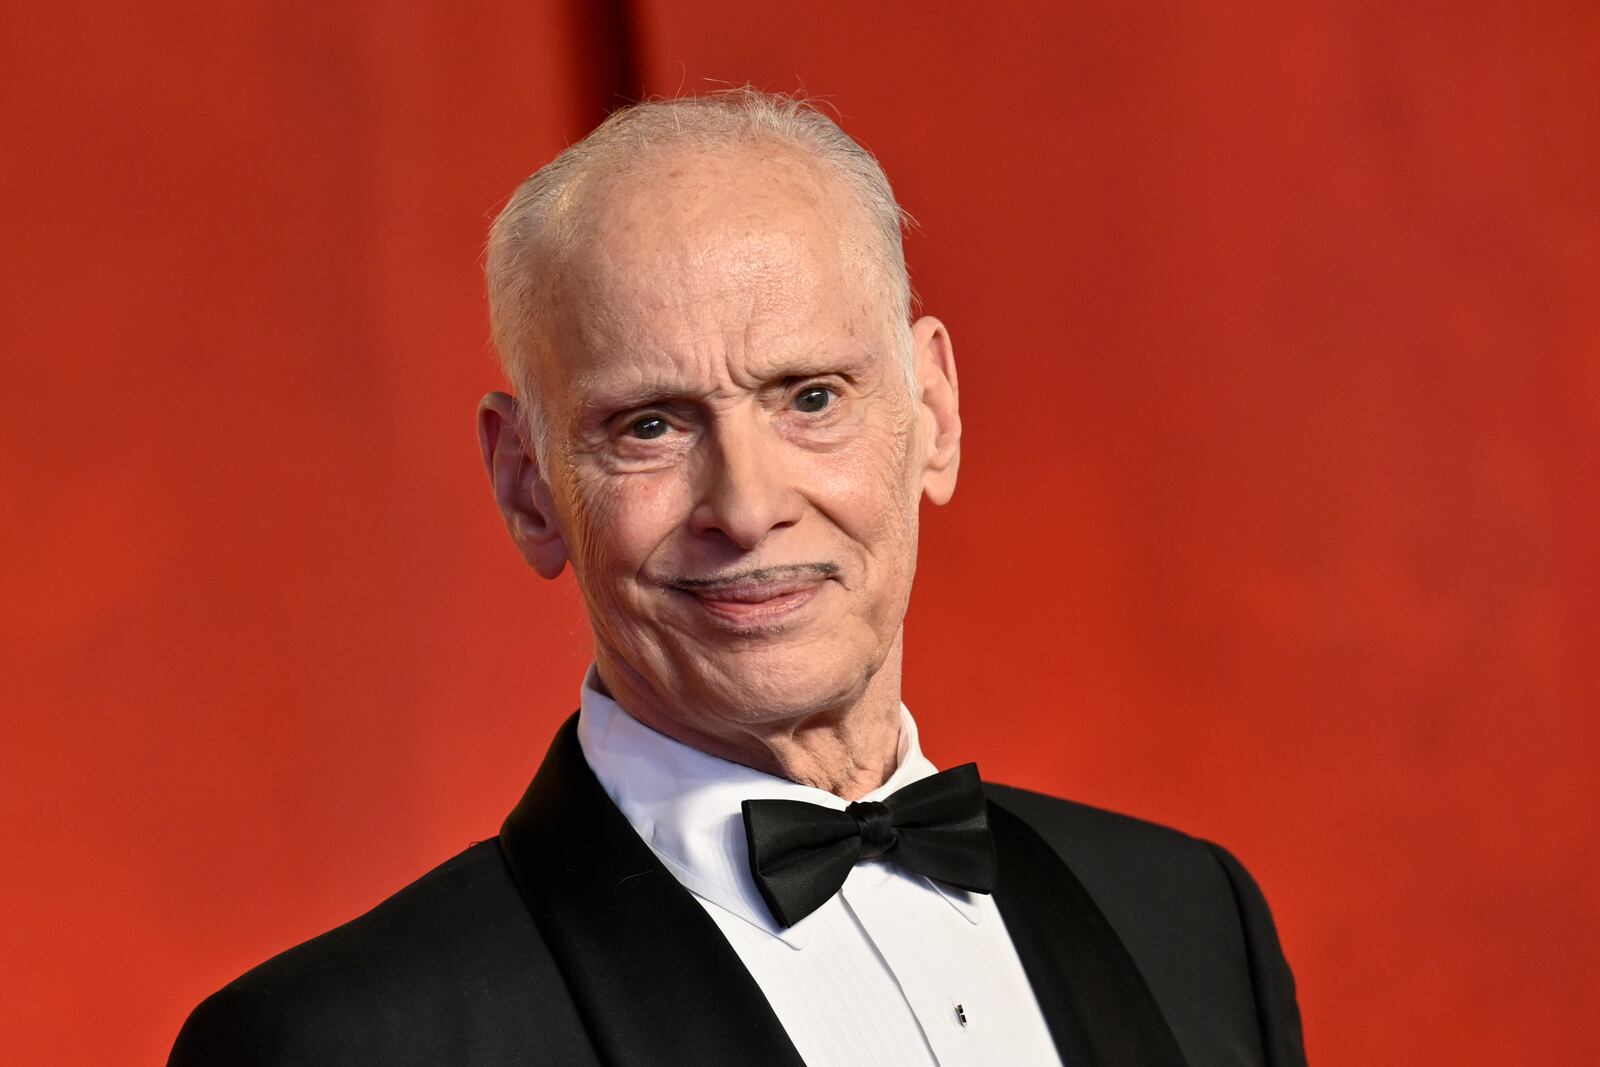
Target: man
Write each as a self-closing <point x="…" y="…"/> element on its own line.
<point x="736" y="853"/>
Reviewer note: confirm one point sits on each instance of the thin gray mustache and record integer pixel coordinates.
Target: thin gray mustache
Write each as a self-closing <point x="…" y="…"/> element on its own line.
<point x="759" y="575"/>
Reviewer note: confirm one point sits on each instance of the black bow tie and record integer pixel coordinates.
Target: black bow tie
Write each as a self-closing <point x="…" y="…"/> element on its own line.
<point x="801" y="853"/>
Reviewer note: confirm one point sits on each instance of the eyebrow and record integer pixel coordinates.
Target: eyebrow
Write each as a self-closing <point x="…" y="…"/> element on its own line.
<point x="606" y="401"/>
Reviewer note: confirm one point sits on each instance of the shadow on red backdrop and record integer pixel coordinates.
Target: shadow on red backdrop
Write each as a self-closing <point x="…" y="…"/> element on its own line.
<point x="1281" y="379"/>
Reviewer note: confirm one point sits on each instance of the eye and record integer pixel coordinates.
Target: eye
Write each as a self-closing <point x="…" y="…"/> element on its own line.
<point x="812" y="399"/>
<point x="648" y="428"/>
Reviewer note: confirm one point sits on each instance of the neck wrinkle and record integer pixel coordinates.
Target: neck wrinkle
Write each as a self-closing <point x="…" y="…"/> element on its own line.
<point x="848" y="752"/>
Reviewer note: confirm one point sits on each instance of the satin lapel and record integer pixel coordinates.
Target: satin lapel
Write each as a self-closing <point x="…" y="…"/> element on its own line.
<point x="654" y="979"/>
<point x="1099" y="1009"/>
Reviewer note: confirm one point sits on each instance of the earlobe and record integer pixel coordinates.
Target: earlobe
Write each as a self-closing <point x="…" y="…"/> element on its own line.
<point x="939" y="407"/>
<point x="518" y="485"/>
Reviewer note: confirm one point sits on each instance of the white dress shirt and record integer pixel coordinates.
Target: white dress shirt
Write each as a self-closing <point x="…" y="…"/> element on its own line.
<point x="880" y="975"/>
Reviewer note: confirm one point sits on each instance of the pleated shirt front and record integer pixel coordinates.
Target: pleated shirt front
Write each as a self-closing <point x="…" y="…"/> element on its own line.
<point x="893" y="970"/>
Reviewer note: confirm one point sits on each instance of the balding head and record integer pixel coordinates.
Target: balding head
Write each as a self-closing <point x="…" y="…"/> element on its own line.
<point x="555" y="215"/>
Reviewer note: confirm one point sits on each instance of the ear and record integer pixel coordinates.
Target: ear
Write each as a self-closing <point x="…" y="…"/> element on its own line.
<point x="939" y="407"/>
<point x="519" y="486"/>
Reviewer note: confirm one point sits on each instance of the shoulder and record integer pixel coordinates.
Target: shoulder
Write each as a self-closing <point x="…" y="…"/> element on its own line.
<point x="454" y="955"/>
<point x="1188" y="911"/>
<point x="1151" y="881"/>
<point x="1062" y="820"/>
<point x="1111" y="850"/>
<point x="1140" y="873"/>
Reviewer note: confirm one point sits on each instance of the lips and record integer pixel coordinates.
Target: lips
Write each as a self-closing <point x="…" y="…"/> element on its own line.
<point x="743" y="605"/>
<point x="755" y="592"/>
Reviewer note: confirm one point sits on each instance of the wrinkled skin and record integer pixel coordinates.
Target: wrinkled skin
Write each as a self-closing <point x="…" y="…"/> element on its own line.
<point x="735" y="461"/>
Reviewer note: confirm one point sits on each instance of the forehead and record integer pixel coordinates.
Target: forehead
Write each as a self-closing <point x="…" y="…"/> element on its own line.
<point x="686" y="248"/>
<point x="714" y="210"/>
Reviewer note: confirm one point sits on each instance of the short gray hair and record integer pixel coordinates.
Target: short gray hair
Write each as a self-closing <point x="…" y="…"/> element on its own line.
<point x="539" y="223"/>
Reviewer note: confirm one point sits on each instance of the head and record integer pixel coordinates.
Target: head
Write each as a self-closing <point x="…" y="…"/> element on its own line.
<point x="725" y="418"/>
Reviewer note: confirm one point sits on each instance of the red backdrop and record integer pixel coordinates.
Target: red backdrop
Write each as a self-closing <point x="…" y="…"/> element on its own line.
<point x="1281" y="367"/>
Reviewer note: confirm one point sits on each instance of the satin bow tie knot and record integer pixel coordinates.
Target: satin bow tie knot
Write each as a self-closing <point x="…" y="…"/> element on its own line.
<point x="876" y="826"/>
<point x="801" y="853"/>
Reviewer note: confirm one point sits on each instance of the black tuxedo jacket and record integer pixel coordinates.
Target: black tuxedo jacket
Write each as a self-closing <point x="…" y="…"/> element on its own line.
<point x="564" y="941"/>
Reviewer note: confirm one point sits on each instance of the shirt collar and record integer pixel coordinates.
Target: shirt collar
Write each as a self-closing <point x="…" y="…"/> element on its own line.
<point x="685" y="804"/>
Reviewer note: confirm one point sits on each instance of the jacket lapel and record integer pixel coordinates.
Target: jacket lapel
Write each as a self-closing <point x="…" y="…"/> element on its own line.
<point x="653" y="978"/>
<point x="1100" y="1011"/>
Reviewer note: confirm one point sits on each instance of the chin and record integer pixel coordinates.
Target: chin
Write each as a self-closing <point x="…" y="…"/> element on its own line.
<point x="773" y="682"/>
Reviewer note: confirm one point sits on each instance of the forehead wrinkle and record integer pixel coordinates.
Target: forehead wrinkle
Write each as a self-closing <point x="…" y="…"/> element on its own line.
<point x="725" y="273"/>
<point x="650" y="370"/>
<point x="735" y="296"/>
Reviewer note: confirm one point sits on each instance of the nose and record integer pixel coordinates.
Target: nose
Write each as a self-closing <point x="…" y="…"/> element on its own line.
<point x="747" y="490"/>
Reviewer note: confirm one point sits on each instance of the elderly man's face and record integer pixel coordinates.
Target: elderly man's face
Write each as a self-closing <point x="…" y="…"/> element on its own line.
<point x="736" y="456"/>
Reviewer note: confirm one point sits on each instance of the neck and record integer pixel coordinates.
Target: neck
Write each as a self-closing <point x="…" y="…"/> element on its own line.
<point x="848" y="749"/>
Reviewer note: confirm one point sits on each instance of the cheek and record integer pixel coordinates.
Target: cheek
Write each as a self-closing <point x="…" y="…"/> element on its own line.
<point x="868" y="492"/>
<point x="619" y="522"/>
